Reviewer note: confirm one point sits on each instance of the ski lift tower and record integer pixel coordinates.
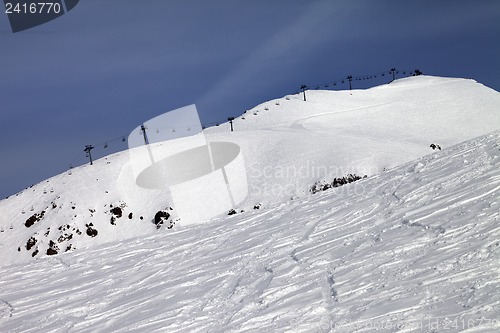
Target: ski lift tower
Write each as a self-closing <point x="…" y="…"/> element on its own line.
<point x="303" y="88"/>
<point x="87" y="149"/>
<point x="393" y="71"/>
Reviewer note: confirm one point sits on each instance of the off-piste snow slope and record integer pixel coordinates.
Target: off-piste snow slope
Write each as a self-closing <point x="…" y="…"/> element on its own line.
<point x="413" y="247"/>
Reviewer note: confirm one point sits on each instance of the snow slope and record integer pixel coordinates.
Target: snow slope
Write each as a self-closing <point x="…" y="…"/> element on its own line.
<point x="412" y="249"/>
<point x="286" y="149"/>
<point x="287" y="145"/>
<point x="295" y="143"/>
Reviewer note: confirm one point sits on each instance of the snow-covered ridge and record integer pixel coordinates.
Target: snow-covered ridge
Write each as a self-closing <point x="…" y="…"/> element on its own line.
<point x="287" y="145"/>
<point x="412" y="249"/>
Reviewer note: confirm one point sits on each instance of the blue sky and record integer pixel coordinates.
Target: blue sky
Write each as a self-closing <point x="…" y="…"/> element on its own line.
<point x="105" y="67"/>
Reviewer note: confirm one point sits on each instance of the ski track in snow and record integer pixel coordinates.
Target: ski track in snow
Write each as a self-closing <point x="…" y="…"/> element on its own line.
<point x="416" y="245"/>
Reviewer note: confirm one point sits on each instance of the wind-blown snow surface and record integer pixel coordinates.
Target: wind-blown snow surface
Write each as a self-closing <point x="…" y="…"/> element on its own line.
<point x="413" y="249"/>
<point x="409" y="245"/>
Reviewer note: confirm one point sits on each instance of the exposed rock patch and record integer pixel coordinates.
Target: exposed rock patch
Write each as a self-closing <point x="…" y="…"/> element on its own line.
<point x="116" y="211"/>
<point x="161" y="217"/>
<point x="64" y="237"/>
<point x="91" y="232"/>
<point x="337" y="182"/>
<point x="53" y="249"/>
<point x="31" y="242"/>
<point x="34" y="218"/>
